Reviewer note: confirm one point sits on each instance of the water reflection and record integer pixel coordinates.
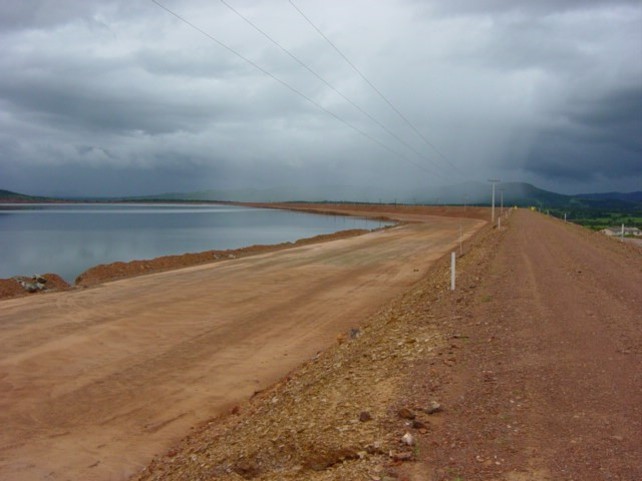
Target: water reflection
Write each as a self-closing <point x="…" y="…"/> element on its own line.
<point x="70" y="238"/>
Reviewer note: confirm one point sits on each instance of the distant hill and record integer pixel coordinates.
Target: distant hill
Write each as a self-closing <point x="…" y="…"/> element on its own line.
<point x="468" y="193"/>
<point x="472" y="193"/>
<point x="9" y="196"/>
<point x="319" y="193"/>
<point x="635" y="197"/>
<point x="477" y="193"/>
<point x="513" y="193"/>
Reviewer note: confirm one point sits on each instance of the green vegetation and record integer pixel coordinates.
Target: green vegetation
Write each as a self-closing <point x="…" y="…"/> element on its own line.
<point x="8" y="196"/>
<point x="598" y="219"/>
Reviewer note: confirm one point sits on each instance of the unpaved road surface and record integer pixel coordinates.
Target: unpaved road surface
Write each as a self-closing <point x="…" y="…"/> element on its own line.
<point x="535" y="360"/>
<point x="546" y="377"/>
<point x="94" y="382"/>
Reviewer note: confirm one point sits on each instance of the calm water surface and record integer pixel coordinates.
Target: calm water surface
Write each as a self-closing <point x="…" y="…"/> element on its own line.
<point x="70" y="238"/>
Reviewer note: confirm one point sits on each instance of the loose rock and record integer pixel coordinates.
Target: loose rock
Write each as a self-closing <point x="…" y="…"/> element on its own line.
<point x="365" y="416"/>
<point x="433" y="408"/>
<point x="408" y="439"/>
<point x="406" y="413"/>
<point x="403" y="456"/>
<point x="418" y="425"/>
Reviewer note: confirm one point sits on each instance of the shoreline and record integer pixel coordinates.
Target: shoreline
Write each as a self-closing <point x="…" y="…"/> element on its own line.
<point x="101" y="273"/>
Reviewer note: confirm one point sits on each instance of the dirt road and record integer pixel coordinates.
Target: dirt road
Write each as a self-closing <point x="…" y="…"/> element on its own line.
<point x="94" y="382"/>
<point x="534" y="361"/>
<point x="547" y="376"/>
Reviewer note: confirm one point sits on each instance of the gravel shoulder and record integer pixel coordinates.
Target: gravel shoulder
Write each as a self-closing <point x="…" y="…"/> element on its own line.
<point x="546" y="374"/>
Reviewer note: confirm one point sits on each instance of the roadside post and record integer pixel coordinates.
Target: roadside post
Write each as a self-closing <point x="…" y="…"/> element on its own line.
<point x="492" y="216"/>
<point x="453" y="256"/>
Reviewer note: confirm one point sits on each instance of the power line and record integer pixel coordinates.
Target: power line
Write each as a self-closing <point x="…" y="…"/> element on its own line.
<point x="318" y="76"/>
<point x="291" y="88"/>
<point x="383" y="97"/>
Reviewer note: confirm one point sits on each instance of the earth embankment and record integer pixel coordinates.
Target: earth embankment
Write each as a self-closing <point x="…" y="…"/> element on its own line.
<point x="93" y="382"/>
<point x="529" y="371"/>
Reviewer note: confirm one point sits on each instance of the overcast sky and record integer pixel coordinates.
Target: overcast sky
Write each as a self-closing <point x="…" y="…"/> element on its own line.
<point x="118" y="97"/>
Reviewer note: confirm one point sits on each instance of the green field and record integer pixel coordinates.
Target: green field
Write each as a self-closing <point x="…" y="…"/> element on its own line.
<point x="597" y="219"/>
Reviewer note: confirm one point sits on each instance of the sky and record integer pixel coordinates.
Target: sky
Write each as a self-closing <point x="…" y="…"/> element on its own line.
<point x="114" y="97"/>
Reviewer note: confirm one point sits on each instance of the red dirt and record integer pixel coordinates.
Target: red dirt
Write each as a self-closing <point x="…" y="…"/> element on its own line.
<point x="544" y="379"/>
<point x="536" y="360"/>
<point x="12" y="288"/>
<point x="94" y="381"/>
<point x="121" y="270"/>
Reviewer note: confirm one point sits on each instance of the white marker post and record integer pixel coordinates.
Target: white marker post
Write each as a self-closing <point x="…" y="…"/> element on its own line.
<point x="452" y="271"/>
<point x="492" y="216"/>
<point x="622" y="235"/>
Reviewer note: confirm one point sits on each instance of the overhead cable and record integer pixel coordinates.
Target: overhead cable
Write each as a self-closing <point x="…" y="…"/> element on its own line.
<point x="365" y="79"/>
<point x="293" y="89"/>
<point x="328" y="84"/>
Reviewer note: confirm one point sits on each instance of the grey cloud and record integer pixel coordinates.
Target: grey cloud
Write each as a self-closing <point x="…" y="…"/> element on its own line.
<point x="121" y="97"/>
<point x="46" y="14"/>
<point x="181" y="64"/>
<point x="600" y="138"/>
<point x="555" y="156"/>
<point x="542" y="7"/>
<point x="120" y="111"/>
<point x="42" y="13"/>
<point x="620" y="109"/>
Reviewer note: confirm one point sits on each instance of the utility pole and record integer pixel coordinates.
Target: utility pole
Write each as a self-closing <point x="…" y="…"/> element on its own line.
<point x="492" y="217"/>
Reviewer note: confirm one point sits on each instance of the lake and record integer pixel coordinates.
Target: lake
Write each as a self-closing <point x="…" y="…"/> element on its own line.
<point x="67" y="239"/>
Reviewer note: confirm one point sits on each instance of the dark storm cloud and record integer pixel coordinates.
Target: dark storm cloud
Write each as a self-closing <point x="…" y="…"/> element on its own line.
<point x="599" y="139"/>
<point x="121" y="97"/>
<point x="618" y="113"/>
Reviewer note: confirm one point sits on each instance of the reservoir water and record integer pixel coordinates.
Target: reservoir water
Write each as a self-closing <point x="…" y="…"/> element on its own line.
<point x="67" y="239"/>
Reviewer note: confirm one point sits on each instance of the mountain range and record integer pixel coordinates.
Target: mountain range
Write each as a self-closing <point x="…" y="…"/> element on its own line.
<point x="471" y="193"/>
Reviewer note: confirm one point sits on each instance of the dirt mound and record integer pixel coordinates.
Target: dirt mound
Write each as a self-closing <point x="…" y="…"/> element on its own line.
<point x="119" y="270"/>
<point x="10" y="288"/>
<point x="55" y="282"/>
<point x="13" y="288"/>
<point x="393" y="212"/>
